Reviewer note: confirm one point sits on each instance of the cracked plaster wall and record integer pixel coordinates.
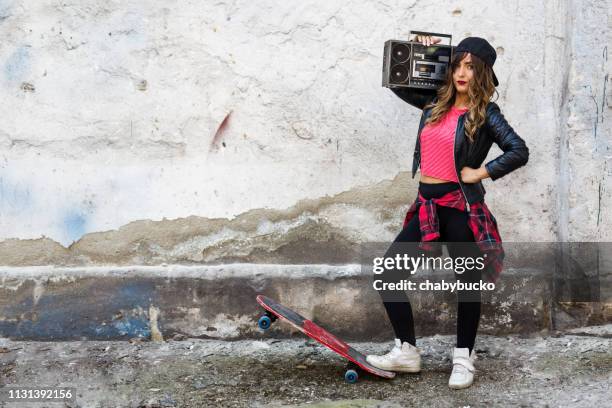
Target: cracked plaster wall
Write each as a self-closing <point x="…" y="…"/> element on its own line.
<point x="111" y="110"/>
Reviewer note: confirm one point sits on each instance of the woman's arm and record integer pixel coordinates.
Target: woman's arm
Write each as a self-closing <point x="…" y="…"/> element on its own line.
<point x="414" y="96"/>
<point x="516" y="153"/>
<point x="417" y="97"/>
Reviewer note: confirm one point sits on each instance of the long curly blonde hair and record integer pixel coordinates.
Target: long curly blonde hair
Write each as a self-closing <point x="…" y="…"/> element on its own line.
<point x="480" y="91"/>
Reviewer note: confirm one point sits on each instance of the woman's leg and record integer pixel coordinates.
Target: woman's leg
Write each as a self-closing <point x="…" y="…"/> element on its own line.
<point x="456" y="231"/>
<point x="397" y="304"/>
<point x="399" y="309"/>
<point x="404" y="356"/>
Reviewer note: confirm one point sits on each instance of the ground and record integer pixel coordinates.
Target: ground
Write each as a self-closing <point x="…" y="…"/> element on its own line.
<point x="570" y="369"/>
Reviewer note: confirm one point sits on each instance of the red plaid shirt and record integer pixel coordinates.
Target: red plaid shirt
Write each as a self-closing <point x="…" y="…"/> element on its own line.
<point x="481" y="222"/>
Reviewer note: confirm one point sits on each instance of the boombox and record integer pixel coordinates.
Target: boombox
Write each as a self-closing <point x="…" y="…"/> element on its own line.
<point x="410" y="64"/>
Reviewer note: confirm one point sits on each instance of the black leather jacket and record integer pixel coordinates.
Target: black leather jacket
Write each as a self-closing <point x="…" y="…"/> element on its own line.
<point x="495" y="129"/>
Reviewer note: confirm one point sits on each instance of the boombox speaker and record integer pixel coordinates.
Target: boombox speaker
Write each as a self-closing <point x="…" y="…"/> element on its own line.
<point x="410" y="64"/>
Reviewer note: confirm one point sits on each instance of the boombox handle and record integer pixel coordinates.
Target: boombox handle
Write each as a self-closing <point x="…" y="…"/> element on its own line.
<point x="450" y="37"/>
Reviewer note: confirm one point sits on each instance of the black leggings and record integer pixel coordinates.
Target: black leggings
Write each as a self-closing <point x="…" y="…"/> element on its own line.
<point x="454" y="227"/>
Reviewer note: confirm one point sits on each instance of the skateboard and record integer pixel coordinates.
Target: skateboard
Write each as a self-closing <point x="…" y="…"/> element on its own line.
<point x="357" y="361"/>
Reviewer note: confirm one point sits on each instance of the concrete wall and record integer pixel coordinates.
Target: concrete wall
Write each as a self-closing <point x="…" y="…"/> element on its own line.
<point x="218" y="301"/>
<point x="112" y="150"/>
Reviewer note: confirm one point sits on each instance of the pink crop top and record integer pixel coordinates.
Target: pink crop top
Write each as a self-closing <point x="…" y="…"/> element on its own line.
<point x="437" y="142"/>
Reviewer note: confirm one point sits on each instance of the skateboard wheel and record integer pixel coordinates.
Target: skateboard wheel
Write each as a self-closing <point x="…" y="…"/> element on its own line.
<point x="351" y="376"/>
<point x="271" y="316"/>
<point x="264" y="322"/>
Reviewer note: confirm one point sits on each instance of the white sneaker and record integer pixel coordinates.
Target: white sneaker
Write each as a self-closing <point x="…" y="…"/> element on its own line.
<point x="463" y="368"/>
<point x="404" y="358"/>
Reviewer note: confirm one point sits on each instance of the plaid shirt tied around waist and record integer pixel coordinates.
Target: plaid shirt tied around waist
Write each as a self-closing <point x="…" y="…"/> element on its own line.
<point x="480" y="220"/>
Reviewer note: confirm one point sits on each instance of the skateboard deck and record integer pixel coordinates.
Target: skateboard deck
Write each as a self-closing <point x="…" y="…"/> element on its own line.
<point x="276" y="310"/>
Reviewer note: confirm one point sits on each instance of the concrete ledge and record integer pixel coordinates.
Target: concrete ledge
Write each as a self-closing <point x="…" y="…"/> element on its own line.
<point x="46" y="303"/>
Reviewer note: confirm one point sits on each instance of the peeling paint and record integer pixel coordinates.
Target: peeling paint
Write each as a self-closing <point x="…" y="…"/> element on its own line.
<point x="39" y="290"/>
<point x="228" y="326"/>
<point x="322" y="230"/>
<point x="156" y="334"/>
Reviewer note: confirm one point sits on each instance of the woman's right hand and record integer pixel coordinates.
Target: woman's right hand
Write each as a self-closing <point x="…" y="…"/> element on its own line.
<point x="426" y="39"/>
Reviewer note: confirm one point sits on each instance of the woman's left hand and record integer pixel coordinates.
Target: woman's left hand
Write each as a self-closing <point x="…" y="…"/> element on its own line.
<point x="470" y="175"/>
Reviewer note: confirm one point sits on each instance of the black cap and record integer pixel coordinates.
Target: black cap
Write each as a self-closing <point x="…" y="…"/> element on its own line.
<point x="482" y="49"/>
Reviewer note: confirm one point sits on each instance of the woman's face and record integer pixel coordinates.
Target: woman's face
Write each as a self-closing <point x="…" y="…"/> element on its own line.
<point x="463" y="74"/>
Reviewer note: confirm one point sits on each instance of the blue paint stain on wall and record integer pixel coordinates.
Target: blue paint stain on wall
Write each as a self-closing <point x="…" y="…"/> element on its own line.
<point x="17" y="64"/>
<point x="138" y="293"/>
<point x="58" y="318"/>
<point x="75" y="223"/>
<point x="5" y="8"/>
<point x="127" y="327"/>
<point x="13" y="196"/>
<point x="58" y="329"/>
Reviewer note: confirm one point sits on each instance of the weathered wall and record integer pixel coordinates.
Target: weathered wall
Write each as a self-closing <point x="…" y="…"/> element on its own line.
<point x="585" y="160"/>
<point x="110" y="112"/>
<point x="219" y="302"/>
<point x="110" y="152"/>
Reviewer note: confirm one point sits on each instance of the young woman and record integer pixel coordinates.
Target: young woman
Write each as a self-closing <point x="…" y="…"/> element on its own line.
<point x="458" y="126"/>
